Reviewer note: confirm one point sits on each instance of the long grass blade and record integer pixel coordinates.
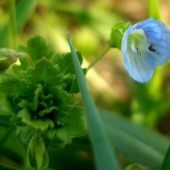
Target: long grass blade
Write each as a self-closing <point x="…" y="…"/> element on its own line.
<point x="138" y="143"/>
<point x="104" y="154"/>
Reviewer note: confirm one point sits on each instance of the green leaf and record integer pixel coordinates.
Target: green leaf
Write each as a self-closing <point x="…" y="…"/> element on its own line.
<point x="74" y="125"/>
<point x="142" y="146"/>
<point x="65" y="62"/>
<point x="39" y="124"/>
<point x="117" y="34"/>
<point x="103" y="152"/>
<point x="43" y="71"/>
<point x="166" y="162"/>
<point x="37" y="48"/>
<point x="10" y="85"/>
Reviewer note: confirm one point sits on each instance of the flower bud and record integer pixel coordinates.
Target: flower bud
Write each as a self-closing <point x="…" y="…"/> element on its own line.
<point x="117" y="34"/>
<point x="37" y="155"/>
<point x="7" y="57"/>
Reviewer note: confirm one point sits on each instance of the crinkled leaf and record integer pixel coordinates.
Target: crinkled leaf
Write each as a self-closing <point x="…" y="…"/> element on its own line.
<point x="10" y="85"/>
<point x="43" y="71"/>
<point x="74" y="125"/>
<point x="37" y="48"/>
<point x="24" y="115"/>
<point x="41" y="124"/>
<point x="62" y="100"/>
<point x="65" y="62"/>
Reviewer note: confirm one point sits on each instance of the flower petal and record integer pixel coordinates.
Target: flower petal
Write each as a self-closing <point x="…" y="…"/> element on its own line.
<point x="139" y="66"/>
<point x="162" y="53"/>
<point x="152" y="29"/>
<point x="124" y="41"/>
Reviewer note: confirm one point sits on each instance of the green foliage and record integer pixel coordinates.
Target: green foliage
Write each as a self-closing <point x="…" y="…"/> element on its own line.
<point x="117" y="34"/>
<point x="134" y="141"/>
<point x="41" y="96"/>
<point x="37" y="48"/>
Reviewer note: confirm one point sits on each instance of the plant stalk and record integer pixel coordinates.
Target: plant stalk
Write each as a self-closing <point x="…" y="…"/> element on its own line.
<point x="99" y="57"/>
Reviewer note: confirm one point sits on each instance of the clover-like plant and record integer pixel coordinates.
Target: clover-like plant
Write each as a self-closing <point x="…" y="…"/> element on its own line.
<point x="41" y="98"/>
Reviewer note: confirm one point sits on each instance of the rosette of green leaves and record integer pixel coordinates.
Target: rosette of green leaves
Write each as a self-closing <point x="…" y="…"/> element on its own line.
<point x="41" y="97"/>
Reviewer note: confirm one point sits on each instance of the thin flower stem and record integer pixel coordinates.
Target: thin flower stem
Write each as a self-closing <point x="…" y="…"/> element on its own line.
<point x="27" y="57"/>
<point x="4" y="139"/>
<point x="13" y="23"/>
<point x="100" y="56"/>
<point x="6" y="167"/>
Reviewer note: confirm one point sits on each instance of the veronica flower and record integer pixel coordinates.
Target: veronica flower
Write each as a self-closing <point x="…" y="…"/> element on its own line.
<point x="144" y="46"/>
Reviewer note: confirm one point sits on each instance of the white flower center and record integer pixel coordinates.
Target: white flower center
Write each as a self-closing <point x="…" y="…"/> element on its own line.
<point x="134" y="40"/>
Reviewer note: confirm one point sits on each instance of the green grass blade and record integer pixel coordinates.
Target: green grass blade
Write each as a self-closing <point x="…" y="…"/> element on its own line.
<point x="104" y="154"/>
<point x="141" y="145"/>
<point x="154" y="11"/>
<point x="166" y="162"/>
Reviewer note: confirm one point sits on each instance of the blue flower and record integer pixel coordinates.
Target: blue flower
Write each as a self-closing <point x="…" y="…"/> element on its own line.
<point x="144" y="46"/>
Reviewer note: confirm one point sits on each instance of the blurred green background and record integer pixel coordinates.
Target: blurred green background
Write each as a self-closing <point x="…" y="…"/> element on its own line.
<point x="90" y="23"/>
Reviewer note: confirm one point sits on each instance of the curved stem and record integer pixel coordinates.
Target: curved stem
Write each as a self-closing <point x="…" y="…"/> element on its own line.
<point x="26" y="56"/>
<point x="100" y="56"/>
